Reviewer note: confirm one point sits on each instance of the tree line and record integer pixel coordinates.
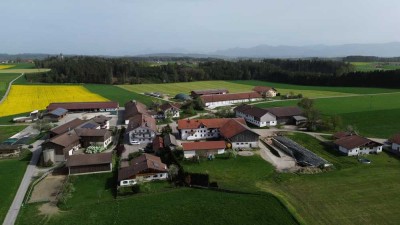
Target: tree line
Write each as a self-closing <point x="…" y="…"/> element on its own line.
<point x="85" y="69"/>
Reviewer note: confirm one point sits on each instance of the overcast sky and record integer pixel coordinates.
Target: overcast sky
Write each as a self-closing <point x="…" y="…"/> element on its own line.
<point x="120" y="27"/>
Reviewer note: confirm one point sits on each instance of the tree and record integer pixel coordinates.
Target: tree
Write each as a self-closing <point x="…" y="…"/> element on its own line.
<point x="313" y="117"/>
<point x="173" y="171"/>
<point x="42" y="125"/>
<point x="198" y="104"/>
<point x="306" y="103"/>
<point x="166" y="129"/>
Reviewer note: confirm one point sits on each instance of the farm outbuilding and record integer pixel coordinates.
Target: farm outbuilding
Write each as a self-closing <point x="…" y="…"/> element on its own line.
<point x="89" y="163"/>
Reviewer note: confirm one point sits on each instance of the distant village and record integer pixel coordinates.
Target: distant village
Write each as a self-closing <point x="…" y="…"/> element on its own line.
<point x="99" y="137"/>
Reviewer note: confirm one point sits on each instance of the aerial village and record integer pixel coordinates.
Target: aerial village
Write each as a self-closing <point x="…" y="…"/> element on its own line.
<point x="143" y="145"/>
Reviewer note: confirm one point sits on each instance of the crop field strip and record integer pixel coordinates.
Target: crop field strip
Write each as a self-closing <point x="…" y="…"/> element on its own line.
<point x="372" y="66"/>
<point x="25" y="98"/>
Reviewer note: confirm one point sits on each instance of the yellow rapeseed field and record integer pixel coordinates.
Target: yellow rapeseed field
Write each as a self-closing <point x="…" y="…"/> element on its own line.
<point x="26" y="98"/>
<point x="6" y="66"/>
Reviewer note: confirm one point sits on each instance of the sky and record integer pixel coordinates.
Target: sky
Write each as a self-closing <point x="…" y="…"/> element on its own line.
<point x="129" y="27"/>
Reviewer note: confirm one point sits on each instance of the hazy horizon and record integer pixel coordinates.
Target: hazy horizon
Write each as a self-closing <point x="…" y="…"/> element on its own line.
<point x="134" y="27"/>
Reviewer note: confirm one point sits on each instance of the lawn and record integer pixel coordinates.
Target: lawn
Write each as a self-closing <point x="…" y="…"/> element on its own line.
<point x="174" y="88"/>
<point x="118" y="94"/>
<point x="93" y="203"/>
<point x="352" y="194"/>
<point x="301" y="88"/>
<point x="6" y="132"/>
<point x="5" y="79"/>
<point x="25" y="98"/>
<point x="11" y="173"/>
<point x="372" y="66"/>
<point x="373" y="115"/>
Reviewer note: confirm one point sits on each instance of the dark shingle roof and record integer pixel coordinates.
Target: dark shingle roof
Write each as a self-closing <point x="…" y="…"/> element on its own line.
<point x="142" y="120"/>
<point x="251" y="110"/>
<point x="89" y="159"/>
<point x="355" y="141"/>
<point x="67" y="126"/>
<point x="133" y="108"/>
<point x="82" y="105"/>
<point x="140" y="164"/>
<point x="229" y="97"/>
<point x="285" y="111"/>
<point x="58" y="112"/>
<point x="204" y="145"/>
<point x="395" y="139"/>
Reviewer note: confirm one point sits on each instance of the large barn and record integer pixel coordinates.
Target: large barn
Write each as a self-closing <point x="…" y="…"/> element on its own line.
<point x="89" y="163"/>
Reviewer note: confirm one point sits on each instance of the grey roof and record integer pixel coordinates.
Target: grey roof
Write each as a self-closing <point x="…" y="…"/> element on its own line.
<point x="299" y="118"/>
<point x="285" y="111"/>
<point x="89" y="125"/>
<point x="89" y="159"/>
<point x="182" y="96"/>
<point x="252" y="110"/>
<point x="170" y="139"/>
<point x="58" y="112"/>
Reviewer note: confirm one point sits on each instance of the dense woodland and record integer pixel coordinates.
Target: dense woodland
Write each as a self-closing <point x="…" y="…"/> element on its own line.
<point x="81" y="69"/>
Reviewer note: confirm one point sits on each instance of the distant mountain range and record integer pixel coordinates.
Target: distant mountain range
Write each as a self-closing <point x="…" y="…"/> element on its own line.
<point x="391" y="49"/>
<point x="266" y="51"/>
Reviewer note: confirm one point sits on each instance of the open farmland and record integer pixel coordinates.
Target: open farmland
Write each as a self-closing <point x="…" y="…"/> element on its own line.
<point x="234" y="87"/>
<point x="2" y="67"/>
<point x="372" y="66"/>
<point x="372" y="115"/>
<point x="352" y="194"/>
<point x="93" y="202"/>
<point x="26" y="98"/>
<point x="24" y="70"/>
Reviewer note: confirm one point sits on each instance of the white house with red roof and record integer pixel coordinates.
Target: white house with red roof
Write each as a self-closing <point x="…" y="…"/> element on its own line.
<point x="353" y="145"/>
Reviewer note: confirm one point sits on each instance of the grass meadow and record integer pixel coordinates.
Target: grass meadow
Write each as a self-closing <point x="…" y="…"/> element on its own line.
<point x="372" y="115"/>
<point x="372" y="66"/>
<point x="93" y="203"/>
<point x="353" y="193"/>
<point x="6" y="132"/>
<point x="11" y="173"/>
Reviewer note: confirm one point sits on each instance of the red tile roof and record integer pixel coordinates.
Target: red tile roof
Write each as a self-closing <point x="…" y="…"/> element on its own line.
<point x="233" y="128"/>
<point x="229" y="97"/>
<point x="355" y="141"/>
<point x="205" y="145"/>
<point x="158" y="143"/>
<point x="263" y="88"/>
<point x="341" y="134"/>
<point x="395" y="139"/>
<point x="209" y="123"/>
<point x="82" y="105"/>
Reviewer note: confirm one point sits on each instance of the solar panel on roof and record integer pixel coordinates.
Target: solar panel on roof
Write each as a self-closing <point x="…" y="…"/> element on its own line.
<point x="89" y="126"/>
<point x="59" y="111"/>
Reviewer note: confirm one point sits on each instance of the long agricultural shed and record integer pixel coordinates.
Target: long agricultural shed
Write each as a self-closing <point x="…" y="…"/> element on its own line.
<point x="303" y="156"/>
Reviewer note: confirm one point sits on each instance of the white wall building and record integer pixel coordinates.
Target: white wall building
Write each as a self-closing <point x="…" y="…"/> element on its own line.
<point x="256" y="116"/>
<point x="354" y="145"/>
<point x="213" y="101"/>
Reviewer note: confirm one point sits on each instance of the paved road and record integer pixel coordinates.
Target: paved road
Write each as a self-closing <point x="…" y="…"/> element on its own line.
<point x="23" y="187"/>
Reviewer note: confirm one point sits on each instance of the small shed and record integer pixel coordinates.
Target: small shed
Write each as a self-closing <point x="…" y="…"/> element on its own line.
<point x="299" y="120"/>
<point x="9" y="150"/>
<point x="89" y="163"/>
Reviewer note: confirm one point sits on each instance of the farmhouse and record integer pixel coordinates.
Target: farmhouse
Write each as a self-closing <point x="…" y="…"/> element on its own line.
<point x="204" y="149"/>
<point x="266" y="92"/>
<point x="395" y="140"/>
<point x="255" y="115"/>
<point x="285" y="115"/>
<point x="89" y="163"/>
<point x="56" y="115"/>
<point x="65" y="127"/>
<point x="9" y="150"/>
<point x="213" y="101"/>
<point x="85" y="106"/>
<point x="168" y="141"/>
<point x="356" y="145"/>
<point x="200" y="129"/>
<point x="168" y="110"/>
<point x="239" y="135"/>
<point x="143" y="168"/>
<point x="133" y="108"/>
<point x="96" y="137"/>
<point x="141" y="128"/>
<point x="103" y="121"/>
<point x="64" y="145"/>
<point x="197" y="93"/>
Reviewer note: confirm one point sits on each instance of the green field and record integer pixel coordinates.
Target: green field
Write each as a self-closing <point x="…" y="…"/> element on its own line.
<point x="372" y="66"/>
<point x="93" y="203"/>
<point x="6" y="132"/>
<point x="352" y="194"/>
<point x="11" y="173"/>
<point x="373" y="115"/>
<point x="120" y="95"/>
<point x="5" y="79"/>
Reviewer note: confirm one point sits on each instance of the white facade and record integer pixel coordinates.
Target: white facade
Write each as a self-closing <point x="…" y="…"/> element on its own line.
<point x="230" y="102"/>
<point x="237" y="145"/>
<point x="360" y="150"/>
<point x="395" y="147"/>
<point x="270" y="93"/>
<point x="266" y="120"/>
<point x="144" y="177"/>
<point x="190" y="154"/>
<point x="142" y="135"/>
<point x="200" y="133"/>
<point x="70" y="152"/>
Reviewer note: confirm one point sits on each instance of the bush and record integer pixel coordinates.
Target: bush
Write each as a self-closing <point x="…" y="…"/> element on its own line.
<point x="94" y="149"/>
<point x="134" y="155"/>
<point x="122" y="191"/>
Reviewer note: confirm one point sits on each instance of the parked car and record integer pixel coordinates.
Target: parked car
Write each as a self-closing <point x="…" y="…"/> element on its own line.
<point x="364" y="160"/>
<point x="135" y="143"/>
